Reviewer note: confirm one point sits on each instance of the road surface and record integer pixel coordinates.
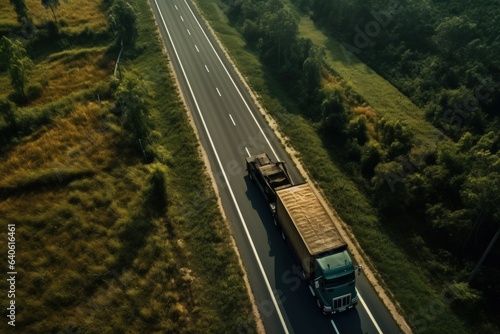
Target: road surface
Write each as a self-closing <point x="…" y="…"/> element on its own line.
<point x="231" y="128"/>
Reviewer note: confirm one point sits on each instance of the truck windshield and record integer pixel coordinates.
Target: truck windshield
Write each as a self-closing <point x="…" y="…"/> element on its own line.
<point x="333" y="282"/>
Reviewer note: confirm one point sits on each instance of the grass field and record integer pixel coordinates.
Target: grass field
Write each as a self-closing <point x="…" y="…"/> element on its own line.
<point x="421" y="299"/>
<point x="106" y="243"/>
<point x="74" y="16"/>
<point x="385" y="99"/>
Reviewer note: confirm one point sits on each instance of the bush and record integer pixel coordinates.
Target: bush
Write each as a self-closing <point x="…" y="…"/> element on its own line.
<point x="156" y="194"/>
<point x="358" y="129"/>
<point x="34" y="91"/>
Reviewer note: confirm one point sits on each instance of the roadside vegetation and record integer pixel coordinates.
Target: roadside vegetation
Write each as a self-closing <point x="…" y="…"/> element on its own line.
<point x="117" y="224"/>
<point x="416" y="188"/>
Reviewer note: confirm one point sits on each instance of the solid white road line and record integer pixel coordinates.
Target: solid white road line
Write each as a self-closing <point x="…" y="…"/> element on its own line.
<point x="207" y="68"/>
<point x="248" y="152"/>
<point x="369" y="313"/>
<point x="234" y="84"/>
<point x="218" y="91"/>
<point x="335" y="327"/>
<point x="196" y="48"/>
<point x="240" y="215"/>
<point x="232" y="120"/>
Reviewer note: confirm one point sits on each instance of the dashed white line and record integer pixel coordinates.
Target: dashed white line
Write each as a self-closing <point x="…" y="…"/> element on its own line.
<point x="207" y="68"/>
<point x="197" y="48"/>
<point x="232" y="120"/>
<point x="234" y="84"/>
<point x="335" y="327"/>
<point x="218" y="91"/>
<point x="226" y="180"/>
<point x="246" y="149"/>
<point x="176" y="7"/>
<point x="369" y="313"/>
<point x="182" y="18"/>
<point x="189" y="32"/>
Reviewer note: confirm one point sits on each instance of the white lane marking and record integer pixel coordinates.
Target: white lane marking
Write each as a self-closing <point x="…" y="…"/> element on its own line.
<point x="335" y="327"/>
<point x="312" y="291"/>
<point x="246" y="149"/>
<point x="369" y="313"/>
<point x="189" y="32"/>
<point x="234" y="84"/>
<point x="196" y="48"/>
<point x="207" y="68"/>
<point x="176" y="7"/>
<point x="232" y="120"/>
<point x="240" y="215"/>
<point x="182" y="18"/>
<point x="218" y="91"/>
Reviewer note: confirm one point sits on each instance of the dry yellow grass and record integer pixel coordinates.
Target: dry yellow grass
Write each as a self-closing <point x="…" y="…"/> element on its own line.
<point x="367" y="111"/>
<point x="7" y="15"/>
<point x="74" y="141"/>
<point x="78" y="14"/>
<point x="64" y="73"/>
<point x="68" y="72"/>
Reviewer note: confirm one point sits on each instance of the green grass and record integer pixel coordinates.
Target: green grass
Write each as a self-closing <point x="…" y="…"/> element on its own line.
<point x="412" y="286"/>
<point x="384" y="98"/>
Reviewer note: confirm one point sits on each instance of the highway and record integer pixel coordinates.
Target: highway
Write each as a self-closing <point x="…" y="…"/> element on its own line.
<point x="231" y="128"/>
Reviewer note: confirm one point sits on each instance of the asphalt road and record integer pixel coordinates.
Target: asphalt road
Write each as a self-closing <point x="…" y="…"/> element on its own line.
<point x="231" y="128"/>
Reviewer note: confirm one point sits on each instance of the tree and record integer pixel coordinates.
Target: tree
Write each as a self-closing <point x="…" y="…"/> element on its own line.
<point x="19" y="64"/>
<point x="358" y="128"/>
<point x="311" y="70"/>
<point x="123" y="22"/>
<point x="454" y="33"/>
<point x="389" y="187"/>
<point x="395" y="137"/>
<point x="129" y="100"/>
<point x="370" y="158"/>
<point x="52" y="4"/>
<point x="20" y="8"/>
<point x="333" y="111"/>
<point x="279" y="30"/>
<point x="250" y="31"/>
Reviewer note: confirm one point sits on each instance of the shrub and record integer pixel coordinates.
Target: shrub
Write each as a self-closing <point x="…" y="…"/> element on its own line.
<point x="34" y="91"/>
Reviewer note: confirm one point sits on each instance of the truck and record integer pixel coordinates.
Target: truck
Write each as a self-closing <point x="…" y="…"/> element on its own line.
<point x="270" y="176"/>
<point x="313" y="237"/>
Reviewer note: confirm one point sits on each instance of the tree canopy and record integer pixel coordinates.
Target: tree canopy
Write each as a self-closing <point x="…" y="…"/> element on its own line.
<point x="123" y="22"/>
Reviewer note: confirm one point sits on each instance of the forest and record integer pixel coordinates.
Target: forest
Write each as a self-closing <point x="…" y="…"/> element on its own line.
<point x="439" y="194"/>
